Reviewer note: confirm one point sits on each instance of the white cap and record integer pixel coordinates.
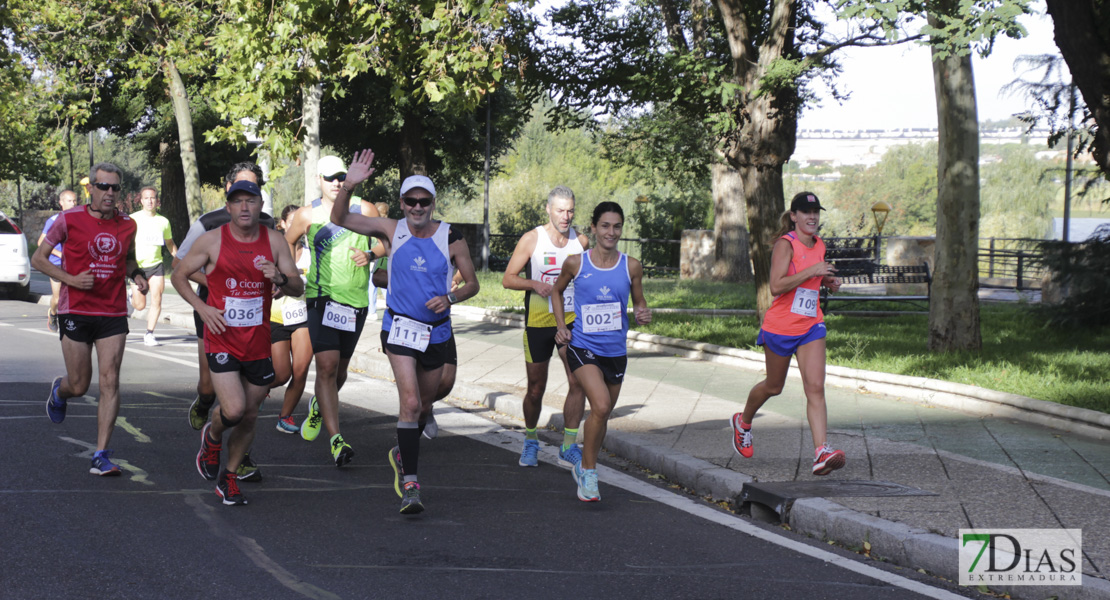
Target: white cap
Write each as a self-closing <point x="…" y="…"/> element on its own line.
<point x="418" y="181"/>
<point x="330" y="165"/>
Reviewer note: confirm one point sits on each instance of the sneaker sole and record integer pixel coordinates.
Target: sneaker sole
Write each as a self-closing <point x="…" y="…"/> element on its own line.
<point x="50" y="399"/>
<point x="396" y="474"/>
<point x="192" y="411"/>
<point x="344" y="457"/>
<point x="253" y="477"/>
<point x="108" y="473"/>
<point x="284" y="430"/>
<point x="412" y="509"/>
<point x="832" y="464"/>
<point x="589" y="499"/>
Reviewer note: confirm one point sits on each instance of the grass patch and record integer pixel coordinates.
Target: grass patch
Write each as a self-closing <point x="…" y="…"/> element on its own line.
<point x="1021" y="353"/>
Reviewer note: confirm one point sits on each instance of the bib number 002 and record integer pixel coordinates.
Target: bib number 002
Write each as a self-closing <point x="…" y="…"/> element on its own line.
<point x="599" y="318"/>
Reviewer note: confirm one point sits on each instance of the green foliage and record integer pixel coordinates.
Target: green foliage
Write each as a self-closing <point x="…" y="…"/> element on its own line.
<point x="906" y="178"/>
<point x="1082" y="272"/>
<point x="1016" y="193"/>
<point x="426" y="52"/>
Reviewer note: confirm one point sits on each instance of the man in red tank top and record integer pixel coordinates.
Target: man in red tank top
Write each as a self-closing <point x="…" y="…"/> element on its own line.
<point x="98" y="252"/>
<point x="243" y="262"/>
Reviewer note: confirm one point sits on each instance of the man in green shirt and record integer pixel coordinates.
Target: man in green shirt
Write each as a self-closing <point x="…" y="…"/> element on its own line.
<point x="337" y="296"/>
<point x="153" y="234"/>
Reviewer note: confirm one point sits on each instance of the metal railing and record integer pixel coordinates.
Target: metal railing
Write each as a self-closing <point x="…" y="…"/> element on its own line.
<point x="1010" y="263"/>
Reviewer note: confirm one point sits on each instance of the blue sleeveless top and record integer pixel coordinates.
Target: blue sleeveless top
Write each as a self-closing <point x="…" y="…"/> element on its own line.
<point x="599" y="288"/>
<point x="419" y="270"/>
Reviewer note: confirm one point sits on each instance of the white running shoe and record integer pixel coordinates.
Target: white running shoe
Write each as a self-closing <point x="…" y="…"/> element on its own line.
<point x="150" y="340"/>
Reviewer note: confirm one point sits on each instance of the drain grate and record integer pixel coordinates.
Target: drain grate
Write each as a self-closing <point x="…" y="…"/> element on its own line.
<point x="771" y="501"/>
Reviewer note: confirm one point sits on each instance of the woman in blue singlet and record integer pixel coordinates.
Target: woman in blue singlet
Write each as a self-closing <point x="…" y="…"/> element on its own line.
<point x="604" y="278"/>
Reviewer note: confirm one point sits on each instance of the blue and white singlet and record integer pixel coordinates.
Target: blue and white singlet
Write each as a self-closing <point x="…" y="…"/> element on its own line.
<point x="419" y="270"/>
<point x="601" y="305"/>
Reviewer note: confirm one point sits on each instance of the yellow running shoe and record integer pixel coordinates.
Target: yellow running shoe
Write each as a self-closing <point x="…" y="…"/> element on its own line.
<point x="311" y="426"/>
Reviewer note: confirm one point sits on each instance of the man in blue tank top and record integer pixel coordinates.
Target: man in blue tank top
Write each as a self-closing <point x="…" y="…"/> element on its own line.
<point x="416" y="330"/>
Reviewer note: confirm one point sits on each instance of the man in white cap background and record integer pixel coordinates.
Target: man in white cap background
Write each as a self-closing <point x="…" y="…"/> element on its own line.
<point x="337" y="297"/>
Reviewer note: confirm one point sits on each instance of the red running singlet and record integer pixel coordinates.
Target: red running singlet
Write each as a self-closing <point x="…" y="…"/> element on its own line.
<point x="99" y="245"/>
<point x="239" y="288"/>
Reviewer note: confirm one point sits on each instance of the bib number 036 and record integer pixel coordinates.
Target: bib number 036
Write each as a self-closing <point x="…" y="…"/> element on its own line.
<point x="243" y="312"/>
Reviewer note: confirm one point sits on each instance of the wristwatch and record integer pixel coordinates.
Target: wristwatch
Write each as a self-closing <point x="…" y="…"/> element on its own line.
<point x="451" y="298"/>
<point x="284" y="280"/>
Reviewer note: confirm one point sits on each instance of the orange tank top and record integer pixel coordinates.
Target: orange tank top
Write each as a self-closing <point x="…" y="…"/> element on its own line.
<point x="798" y="310"/>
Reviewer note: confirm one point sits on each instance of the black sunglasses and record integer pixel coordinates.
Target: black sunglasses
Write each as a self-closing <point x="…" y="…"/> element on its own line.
<point x="341" y="177"/>
<point x="104" y="187"/>
<point x="423" y="202"/>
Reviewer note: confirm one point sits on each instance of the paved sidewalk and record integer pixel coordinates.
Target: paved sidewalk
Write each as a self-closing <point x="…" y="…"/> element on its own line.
<point x="673" y="417"/>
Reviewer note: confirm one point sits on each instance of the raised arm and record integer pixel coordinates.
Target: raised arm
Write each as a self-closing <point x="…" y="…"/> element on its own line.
<point x="341" y="214"/>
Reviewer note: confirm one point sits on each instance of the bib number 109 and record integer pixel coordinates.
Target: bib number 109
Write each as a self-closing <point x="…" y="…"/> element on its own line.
<point x="805" y="302"/>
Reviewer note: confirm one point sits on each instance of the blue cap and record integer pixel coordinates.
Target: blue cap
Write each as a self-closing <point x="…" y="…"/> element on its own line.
<point x="244" y="186"/>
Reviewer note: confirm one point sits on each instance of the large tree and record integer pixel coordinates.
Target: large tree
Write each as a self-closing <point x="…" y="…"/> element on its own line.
<point x="738" y="67"/>
<point x="955" y="29"/>
<point x="114" y="63"/>
<point x="421" y="53"/>
<point x="1082" y="31"/>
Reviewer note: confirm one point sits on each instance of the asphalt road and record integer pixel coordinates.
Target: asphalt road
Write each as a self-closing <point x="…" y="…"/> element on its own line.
<point x="491" y="529"/>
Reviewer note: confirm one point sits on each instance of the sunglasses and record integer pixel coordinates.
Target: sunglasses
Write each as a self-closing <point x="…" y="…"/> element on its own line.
<point x="423" y="202"/>
<point x="104" y="187"/>
<point x="340" y="177"/>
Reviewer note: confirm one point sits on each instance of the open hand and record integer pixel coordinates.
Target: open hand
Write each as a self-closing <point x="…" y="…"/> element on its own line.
<point x="360" y="169"/>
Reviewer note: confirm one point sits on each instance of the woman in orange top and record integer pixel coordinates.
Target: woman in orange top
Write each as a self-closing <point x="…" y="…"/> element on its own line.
<point x="795" y="325"/>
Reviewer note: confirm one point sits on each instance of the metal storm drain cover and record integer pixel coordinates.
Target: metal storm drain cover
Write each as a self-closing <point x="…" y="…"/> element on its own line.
<point x="757" y="499"/>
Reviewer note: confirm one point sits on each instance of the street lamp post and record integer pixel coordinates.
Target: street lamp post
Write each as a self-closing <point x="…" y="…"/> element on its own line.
<point x="879" y="210"/>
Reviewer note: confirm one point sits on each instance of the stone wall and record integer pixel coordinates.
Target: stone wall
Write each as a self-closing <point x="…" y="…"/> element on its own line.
<point x="696" y="261"/>
<point x="910" y="251"/>
<point x="33" y="222"/>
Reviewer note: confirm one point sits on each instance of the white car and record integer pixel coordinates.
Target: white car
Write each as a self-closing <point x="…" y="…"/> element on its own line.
<point x="15" y="263"/>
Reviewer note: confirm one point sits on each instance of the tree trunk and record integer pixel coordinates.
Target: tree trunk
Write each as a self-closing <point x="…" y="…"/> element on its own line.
<point x="184" y="117"/>
<point x="172" y="192"/>
<point x="731" y="259"/>
<point x="413" y="161"/>
<point x="954" y="306"/>
<point x="763" y="191"/>
<point x="311" y="113"/>
<point x="1087" y="51"/>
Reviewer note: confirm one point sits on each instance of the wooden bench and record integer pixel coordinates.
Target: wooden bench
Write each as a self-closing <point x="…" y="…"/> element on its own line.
<point x="871" y="273"/>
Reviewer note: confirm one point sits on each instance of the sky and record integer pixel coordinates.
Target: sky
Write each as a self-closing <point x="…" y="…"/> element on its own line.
<point x="892" y="87"/>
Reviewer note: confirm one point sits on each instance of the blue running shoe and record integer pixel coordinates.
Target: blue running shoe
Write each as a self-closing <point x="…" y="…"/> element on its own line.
<point x="529" y="455"/>
<point x="587" y="485"/>
<point x="55" y="406"/>
<point x="571" y="456"/>
<point x="102" y="464"/>
<point x="288" y="425"/>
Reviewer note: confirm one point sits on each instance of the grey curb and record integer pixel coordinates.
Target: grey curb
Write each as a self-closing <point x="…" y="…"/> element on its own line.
<point x="921" y="390"/>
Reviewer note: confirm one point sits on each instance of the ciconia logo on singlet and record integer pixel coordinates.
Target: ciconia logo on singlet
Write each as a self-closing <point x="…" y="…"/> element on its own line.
<point x="604" y="295"/>
<point x="419" y="266"/>
<point x="236" y="286"/>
